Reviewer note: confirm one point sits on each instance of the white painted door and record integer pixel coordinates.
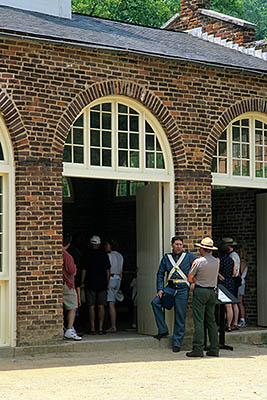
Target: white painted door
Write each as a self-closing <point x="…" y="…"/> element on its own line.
<point x="262" y="258"/>
<point x="149" y="251"/>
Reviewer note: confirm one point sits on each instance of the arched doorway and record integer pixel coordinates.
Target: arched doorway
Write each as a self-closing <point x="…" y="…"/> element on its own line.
<point x="7" y="241"/>
<point x="240" y="200"/>
<point x="115" y="138"/>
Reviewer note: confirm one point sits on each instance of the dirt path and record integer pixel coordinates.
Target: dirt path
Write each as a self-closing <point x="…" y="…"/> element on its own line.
<point x="137" y="375"/>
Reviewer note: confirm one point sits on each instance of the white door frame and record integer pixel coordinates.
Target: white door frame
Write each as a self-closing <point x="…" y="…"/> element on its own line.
<point x="8" y="275"/>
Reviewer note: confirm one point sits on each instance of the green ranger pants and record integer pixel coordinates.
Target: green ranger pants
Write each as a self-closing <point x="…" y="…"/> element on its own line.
<point x="203" y="305"/>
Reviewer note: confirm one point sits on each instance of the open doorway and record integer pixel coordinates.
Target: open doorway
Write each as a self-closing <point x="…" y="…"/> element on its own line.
<point x="107" y="208"/>
<point x="236" y="213"/>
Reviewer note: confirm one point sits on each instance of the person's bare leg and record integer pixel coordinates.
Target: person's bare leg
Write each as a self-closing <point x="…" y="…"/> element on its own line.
<point x="101" y="315"/>
<point x="112" y="314"/>
<point x="236" y="313"/>
<point x="71" y="318"/>
<point x="229" y="314"/>
<point x="241" y="307"/>
<point x="92" y="318"/>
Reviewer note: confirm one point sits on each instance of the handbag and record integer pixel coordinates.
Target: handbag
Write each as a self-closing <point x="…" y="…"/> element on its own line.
<point x="168" y="300"/>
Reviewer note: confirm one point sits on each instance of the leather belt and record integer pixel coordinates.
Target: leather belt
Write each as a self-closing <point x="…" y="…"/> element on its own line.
<point x="204" y="287"/>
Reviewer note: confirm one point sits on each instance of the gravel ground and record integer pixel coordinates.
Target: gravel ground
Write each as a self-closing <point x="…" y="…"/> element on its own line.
<point x="142" y="374"/>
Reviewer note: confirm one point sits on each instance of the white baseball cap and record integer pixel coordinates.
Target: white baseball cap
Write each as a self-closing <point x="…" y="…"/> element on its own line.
<point x="95" y="240"/>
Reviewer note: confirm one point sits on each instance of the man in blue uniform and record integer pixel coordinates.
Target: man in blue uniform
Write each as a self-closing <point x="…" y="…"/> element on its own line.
<point x="177" y="286"/>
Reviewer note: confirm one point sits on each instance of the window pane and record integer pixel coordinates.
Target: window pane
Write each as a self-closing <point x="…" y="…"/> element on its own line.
<point x="158" y="145"/>
<point x="1" y="153"/>
<point x="106" y="158"/>
<point x="258" y="137"/>
<point x="123" y="158"/>
<point x="1" y="243"/>
<point x="236" y="123"/>
<point x="133" y="188"/>
<point x="132" y="111"/>
<point x="245" y="135"/>
<point x="67" y="154"/>
<point x="78" y="155"/>
<point x="148" y="128"/>
<point x="245" y="168"/>
<point x="223" y="165"/>
<point x="236" y="150"/>
<point x="259" y="170"/>
<point x="96" y="107"/>
<point x="95" y="157"/>
<point x="258" y="153"/>
<point x="223" y="136"/>
<point x="245" y="122"/>
<point x="106" y="139"/>
<point x="222" y="149"/>
<point x="214" y="165"/>
<point x="1" y="223"/>
<point x="160" y="161"/>
<point x="134" y="141"/>
<point x="150" y="160"/>
<point x="236" y="167"/>
<point x="77" y="135"/>
<point x="95" y="138"/>
<point x="106" y="106"/>
<point x="265" y="137"/>
<point x="106" y="121"/>
<point x="134" y="125"/>
<point x="94" y="119"/>
<point x="1" y="263"/>
<point x="79" y="121"/>
<point x="123" y="122"/>
<point x="134" y="159"/>
<point x="68" y="140"/>
<point x="265" y="170"/>
<point x="122" y="108"/>
<point x="258" y="124"/>
<point x="150" y="142"/>
<point x="123" y="140"/>
<point x="245" y="150"/>
<point x="1" y="188"/>
<point x="236" y="134"/>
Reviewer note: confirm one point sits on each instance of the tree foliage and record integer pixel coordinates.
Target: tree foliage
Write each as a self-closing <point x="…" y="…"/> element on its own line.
<point x="157" y="12"/>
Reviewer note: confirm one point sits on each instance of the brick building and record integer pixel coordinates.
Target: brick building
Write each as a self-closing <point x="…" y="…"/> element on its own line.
<point x="110" y="107"/>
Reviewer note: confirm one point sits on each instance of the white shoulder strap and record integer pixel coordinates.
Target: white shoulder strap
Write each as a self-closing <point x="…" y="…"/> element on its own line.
<point x="176" y="266"/>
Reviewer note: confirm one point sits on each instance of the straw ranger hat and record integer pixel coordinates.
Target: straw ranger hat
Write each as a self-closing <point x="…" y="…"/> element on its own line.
<point x="206" y="243"/>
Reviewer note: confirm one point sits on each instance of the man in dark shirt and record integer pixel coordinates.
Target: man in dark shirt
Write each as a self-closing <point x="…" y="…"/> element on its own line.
<point x="95" y="278"/>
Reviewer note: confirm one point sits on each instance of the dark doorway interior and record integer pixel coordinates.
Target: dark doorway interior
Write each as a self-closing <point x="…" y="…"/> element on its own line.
<point x="234" y="215"/>
<point x="101" y="207"/>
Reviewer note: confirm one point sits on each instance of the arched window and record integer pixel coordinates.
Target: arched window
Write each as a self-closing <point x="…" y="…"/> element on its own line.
<point x="116" y="134"/>
<point x="240" y="157"/>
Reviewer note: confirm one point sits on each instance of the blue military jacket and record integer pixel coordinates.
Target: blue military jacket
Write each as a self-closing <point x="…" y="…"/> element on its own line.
<point x="166" y="266"/>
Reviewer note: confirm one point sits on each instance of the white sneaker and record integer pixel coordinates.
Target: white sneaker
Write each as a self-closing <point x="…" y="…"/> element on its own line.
<point x="242" y="324"/>
<point x="70" y="334"/>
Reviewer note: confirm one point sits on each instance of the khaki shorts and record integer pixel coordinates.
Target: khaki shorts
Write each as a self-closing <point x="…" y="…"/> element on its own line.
<point x="94" y="297"/>
<point x="69" y="298"/>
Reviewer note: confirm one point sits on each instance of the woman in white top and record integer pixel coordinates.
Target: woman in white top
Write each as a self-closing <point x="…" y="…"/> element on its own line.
<point x="116" y="262"/>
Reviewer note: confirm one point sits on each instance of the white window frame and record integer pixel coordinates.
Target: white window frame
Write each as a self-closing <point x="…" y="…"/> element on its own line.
<point x="8" y="274"/>
<point x="228" y="179"/>
<point x="124" y="173"/>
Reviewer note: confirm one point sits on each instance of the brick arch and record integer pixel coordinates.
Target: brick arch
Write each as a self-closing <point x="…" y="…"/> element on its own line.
<point x="250" y="105"/>
<point x="14" y="123"/>
<point x="129" y="89"/>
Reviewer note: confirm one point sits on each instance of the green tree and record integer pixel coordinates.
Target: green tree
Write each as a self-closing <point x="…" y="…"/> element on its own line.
<point x="157" y="12"/>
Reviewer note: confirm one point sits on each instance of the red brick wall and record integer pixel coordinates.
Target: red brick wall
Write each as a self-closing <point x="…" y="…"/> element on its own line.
<point x="43" y="89"/>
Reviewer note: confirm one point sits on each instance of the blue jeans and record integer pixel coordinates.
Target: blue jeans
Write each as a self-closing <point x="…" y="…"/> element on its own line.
<point x="180" y="305"/>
